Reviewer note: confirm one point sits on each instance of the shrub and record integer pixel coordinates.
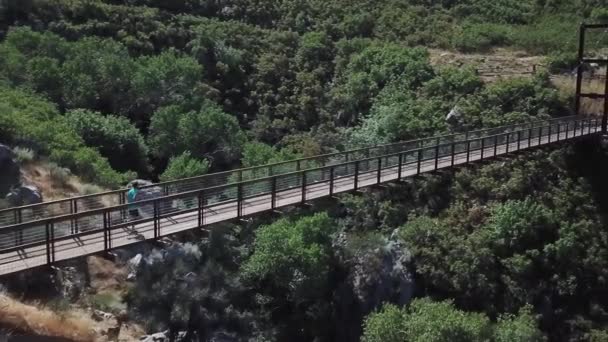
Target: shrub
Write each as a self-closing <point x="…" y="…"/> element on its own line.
<point x="27" y="119"/>
<point x="107" y="302"/>
<point x="184" y="166"/>
<point x="58" y="174"/>
<point x="481" y="37"/>
<point x="115" y="138"/>
<point x="89" y="189"/>
<point x="292" y="258"/>
<point x="204" y="133"/>
<point x="24" y="155"/>
<point x="561" y="62"/>
<point x="429" y="321"/>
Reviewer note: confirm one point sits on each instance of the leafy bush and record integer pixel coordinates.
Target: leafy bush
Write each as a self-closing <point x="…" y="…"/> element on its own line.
<point x="562" y="62"/>
<point x="480" y="37"/>
<point x="425" y="320"/>
<point x="24" y="155"/>
<point x="115" y="138"/>
<point x="89" y="189"/>
<point x="58" y="174"/>
<point x="203" y="132"/>
<point x="28" y="120"/>
<point x="292" y="257"/>
<point x="184" y="166"/>
<point x="548" y="34"/>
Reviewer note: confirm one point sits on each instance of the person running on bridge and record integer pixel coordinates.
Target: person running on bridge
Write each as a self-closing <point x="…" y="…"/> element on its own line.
<point x="131" y="195"/>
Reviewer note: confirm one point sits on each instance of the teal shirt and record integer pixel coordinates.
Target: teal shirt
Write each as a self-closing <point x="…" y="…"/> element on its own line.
<point x="131" y="195"/>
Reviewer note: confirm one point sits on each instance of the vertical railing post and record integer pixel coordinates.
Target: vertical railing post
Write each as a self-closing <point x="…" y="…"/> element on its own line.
<point x="331" y="181"/>
<point x="495" y="145"/>
<point x="379" y="175"/>
<point x="437" y="155"/>
<point x="106" y="245"/>
<point x="540" y="134"/>
<point x="304" y="186"/>
<point x="76" y="229"/>
<point x="567" y="129"/>
<point x="518" y="140"/>
<point x="201" y="208"/>
<point x="18" y="233"/>
<point x="550" y="132"/>
<point x="400" y="167"/>
<point x="122" y="200"/>
<point x="419" y="161"/>
<point x="273" y="193"/>
<point x="605" y="116"/>
<point x="48" y="243"/>
<point x="453" y="152"/>
<point x="468" y="151"/>
<point x="579" y="69"/>
<point x="156" y="219"/>
<point x="529" y="137"/>
<point x="356" y="186"/>
<point x="559" y="131"/>
<point x="483" y="147"/>
<point x="239" y="200"/>
<point x="508" y="142"/>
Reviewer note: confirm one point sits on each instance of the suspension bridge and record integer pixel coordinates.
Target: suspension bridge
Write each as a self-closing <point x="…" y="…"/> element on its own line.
<point x="44" y="234"/>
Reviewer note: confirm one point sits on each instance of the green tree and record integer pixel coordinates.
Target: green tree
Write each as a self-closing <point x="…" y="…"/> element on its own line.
<point x="292" y="257"/>
<point x="184" y="166"/>
<point x="165" y="79"/>
<point x="115" y="138"/>
<point x="425" y="320"/>
<point x="203" y="132"/>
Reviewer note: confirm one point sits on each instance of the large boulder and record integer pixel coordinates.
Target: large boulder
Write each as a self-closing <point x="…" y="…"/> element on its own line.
<point x="9" y="170"/>
<point x="24" y="195"/>
<point x="376" y="274"/>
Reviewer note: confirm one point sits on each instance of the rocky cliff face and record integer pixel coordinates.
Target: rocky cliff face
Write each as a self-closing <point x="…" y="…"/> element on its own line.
<point x="9" y="170"/>
<point x="375" y="274"/>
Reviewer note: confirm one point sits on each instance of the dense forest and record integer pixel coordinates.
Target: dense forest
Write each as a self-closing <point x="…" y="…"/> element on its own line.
<point x="514" y="250"/>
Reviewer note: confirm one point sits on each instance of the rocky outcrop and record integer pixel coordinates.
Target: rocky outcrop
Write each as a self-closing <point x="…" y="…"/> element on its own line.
<point x="163" y="337"/>
<point x="9" y="170"/>
<point x="24" y="195"/>
<point x="376" y="273"/>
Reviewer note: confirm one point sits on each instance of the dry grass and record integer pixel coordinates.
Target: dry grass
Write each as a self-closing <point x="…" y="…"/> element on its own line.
<point x="54" y="181"/>
<point x="495" y="65"/>
<point x="566" y="85"/>
<point x="106" y="276"/>
<point x="31" y="319"/>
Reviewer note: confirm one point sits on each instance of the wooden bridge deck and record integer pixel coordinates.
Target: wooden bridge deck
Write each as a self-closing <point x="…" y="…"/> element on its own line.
<point x="109" y="236"/>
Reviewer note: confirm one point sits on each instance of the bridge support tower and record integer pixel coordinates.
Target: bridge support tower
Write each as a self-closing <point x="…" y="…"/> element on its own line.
<point x="584" y="61"/>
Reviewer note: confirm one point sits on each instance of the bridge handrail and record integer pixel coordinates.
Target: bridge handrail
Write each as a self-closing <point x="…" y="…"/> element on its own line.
<point x="59" y="218"/>
<point x="270" y="166"/>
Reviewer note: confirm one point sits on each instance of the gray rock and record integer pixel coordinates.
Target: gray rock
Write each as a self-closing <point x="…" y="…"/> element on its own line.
<point x="9" y="170"/>
<point x="163" y="337"/>
<point x="454" y="115"/>
<point x="135" y="262"/>
<point x="377" y="274"/>
<point x="24" y="195"/>
<point x="99" y="315"/>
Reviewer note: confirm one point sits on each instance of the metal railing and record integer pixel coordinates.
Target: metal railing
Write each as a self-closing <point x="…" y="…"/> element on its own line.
<point x="242" y="198"/>
<point x="78" y="204"/>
